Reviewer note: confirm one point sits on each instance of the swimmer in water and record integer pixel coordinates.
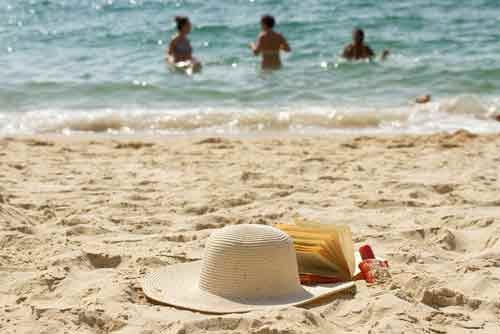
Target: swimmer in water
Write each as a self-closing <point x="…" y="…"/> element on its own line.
<point x="180" y="50"/>
<point x="423" y="99"/>
<point x="358" y="50"/>
<point x="269" y="44"/>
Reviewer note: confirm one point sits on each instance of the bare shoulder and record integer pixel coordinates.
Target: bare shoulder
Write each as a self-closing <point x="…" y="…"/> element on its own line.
<point x="348" y="49"/>
<point x="175" y="38"/>
<point x="280" y="36"/>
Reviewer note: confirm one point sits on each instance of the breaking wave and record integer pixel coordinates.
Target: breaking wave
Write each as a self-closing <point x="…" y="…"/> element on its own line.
<point x="459" y="112"/>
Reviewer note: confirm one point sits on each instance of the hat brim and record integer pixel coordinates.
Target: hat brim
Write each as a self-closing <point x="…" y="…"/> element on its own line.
<point x="177" y="285"/>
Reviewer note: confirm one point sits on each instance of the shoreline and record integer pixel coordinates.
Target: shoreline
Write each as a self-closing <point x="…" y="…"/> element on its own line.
<point x="83" y="219"/>
<point x="442" y="115"/>
<point x="347" y="134"/>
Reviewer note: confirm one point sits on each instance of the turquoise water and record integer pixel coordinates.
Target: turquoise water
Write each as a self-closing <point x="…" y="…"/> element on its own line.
<point x="81" y="65"/>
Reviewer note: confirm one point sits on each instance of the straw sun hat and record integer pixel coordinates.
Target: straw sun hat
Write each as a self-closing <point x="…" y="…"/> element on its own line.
<point x="245" y="267"/>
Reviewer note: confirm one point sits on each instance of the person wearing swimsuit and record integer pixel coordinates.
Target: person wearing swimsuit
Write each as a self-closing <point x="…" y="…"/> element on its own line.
<point x="180" y="50"/>
<point x="359" y="50"/>
<point x="269" y="44"/>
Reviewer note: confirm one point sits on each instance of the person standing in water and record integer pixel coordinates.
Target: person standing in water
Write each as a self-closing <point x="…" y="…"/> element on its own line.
<point x="180" y="52"/>
<point x="358" y="50"/>
<point x="269" y="44"/>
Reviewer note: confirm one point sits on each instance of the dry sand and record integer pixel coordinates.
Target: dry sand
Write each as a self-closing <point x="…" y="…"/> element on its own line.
<point x="81" y="222"/>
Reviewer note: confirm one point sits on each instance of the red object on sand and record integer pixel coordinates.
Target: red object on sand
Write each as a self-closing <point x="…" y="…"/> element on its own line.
<point x="374" y="270"/>
<point x="366" y="252"/>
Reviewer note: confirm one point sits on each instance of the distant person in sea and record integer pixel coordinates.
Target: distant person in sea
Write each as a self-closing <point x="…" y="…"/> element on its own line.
<point x="180" y="52"/>
<point x="423" y="99"/>
<point x="358" y="50"/>
<point x="269" y="44"/>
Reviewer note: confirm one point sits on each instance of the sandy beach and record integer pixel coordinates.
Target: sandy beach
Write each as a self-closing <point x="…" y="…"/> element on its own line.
<point x="82" y="221"/>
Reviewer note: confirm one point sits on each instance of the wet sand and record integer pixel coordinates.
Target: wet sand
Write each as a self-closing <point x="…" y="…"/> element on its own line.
<point x="82" y="221"/>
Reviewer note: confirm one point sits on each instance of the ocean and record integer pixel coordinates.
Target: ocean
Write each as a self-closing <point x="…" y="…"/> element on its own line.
<point x="97" y="66"/>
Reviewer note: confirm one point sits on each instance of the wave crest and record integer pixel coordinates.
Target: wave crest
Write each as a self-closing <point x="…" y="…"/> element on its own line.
<point x="460" y="112"/>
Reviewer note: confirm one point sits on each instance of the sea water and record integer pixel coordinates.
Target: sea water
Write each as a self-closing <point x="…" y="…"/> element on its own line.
<point x="72" y="66"/>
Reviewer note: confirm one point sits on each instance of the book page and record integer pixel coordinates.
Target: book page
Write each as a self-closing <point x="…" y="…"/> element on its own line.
<point x="342" y="244"/>
<point x="327" y="240"/>
<point x="314" y="263"/>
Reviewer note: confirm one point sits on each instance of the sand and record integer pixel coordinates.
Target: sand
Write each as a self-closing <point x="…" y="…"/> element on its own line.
<point x="82" y="221"/>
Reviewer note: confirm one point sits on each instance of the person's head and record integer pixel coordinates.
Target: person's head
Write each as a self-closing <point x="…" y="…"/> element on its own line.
<point x="267" y="22"/>
<point x="358" y="36"/>
<point x="183" y="24"/>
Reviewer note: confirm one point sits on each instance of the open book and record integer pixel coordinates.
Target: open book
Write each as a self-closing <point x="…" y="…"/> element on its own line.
<point x="325" y="252"/>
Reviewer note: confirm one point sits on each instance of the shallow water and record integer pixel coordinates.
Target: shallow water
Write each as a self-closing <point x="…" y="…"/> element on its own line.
<point x="79" y="65"/>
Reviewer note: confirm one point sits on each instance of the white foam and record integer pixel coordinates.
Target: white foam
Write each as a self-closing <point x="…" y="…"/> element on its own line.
<point x="465" y="105"/>
<point x="466" y="112"/>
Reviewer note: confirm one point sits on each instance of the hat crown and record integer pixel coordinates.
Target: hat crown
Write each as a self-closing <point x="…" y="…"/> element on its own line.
<point x="248" y="262"/>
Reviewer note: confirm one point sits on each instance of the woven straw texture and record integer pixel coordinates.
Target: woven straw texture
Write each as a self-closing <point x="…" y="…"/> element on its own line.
<point x="245" y="267"/>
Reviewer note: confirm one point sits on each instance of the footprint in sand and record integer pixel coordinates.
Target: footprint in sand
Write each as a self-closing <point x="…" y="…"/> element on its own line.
<point x="443" y="188"/>
<point x="102" y="260"/>
<point x="133" y="145"/>
<point x="350" y="145"/>
<point x="282" y="186"/>
<point x="281" y="194"/>
<point x="387" y="203"/>
<point x="444" y="297"/>
<point x="76" y="260"/>
<point x="245" y="199"/>
<point x="36" y="142"/>
<point x="315" y="159"/>
<point x="213" y="140"/>
<point x="417" y="194"/>
<point x="281" y="321"/>
<point x="12" y="219"/>
<point x="208" y="226"/>
<point x="447" y="240"/>
<point x="246" y="176"/>
<point x="184" y="237"/>
<point x="332" y="178"/>
<point x="212" y="222"/>
<point x="99" y="320"/>
<point x="135" y="294"/>
<point x="400" y="144"/>
<point x="198" y="210"/>
<point x="223" y="147"/>
<point x="79" y="230"/>
<point x="443" y="237"/>
<point x="138" y="197"/>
